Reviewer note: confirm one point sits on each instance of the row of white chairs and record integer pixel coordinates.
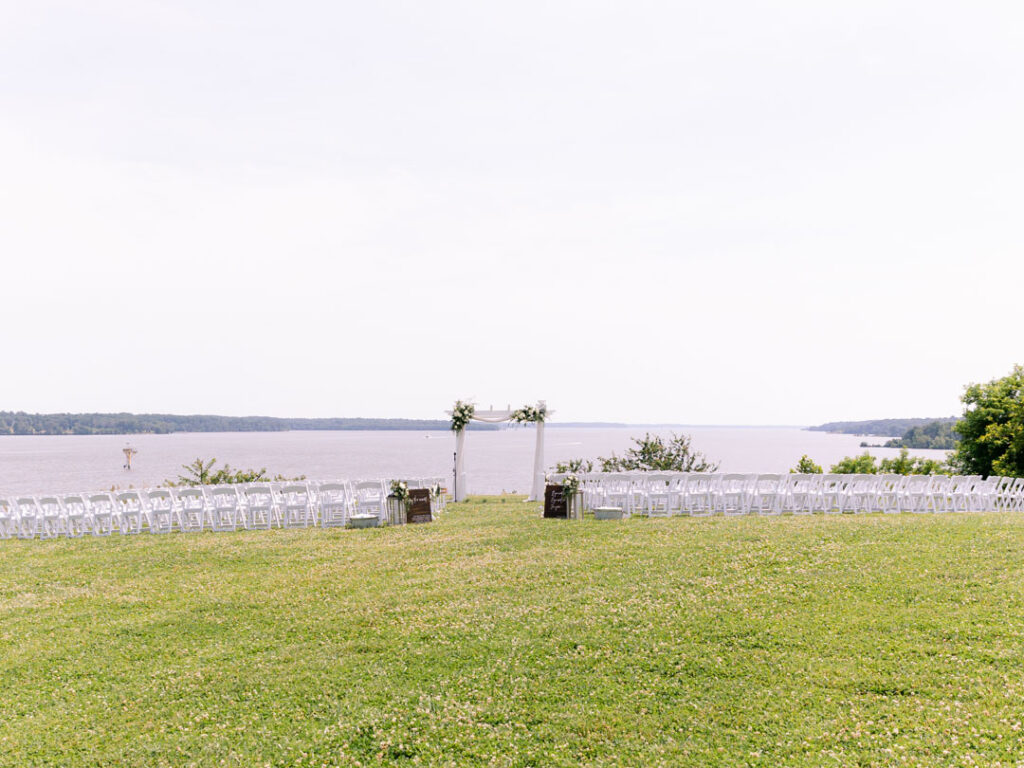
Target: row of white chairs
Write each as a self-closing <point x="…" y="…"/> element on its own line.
<point x="701" y="493"/>
<point x="250" y="506"/>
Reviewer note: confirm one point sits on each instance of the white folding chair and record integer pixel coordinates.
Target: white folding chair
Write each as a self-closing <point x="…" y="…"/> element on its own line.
<point x="8" y="519"/>
<point x="887" y="494"/>
<point x="336" y="503"/>
<point x="832" y="489"/>
<point x="161" y="510"/>
<point x="1013" y="496"/>
<point x="1004" y="490"/>
<point x="733" y="494"/>
<point x="190" y="509"/>
<point x="260" y="511"/>
<point x="79" y="518"/>
<point x="658" y="495"/>
<point x="30" y="517"/>
<point x="939" y="493"/>
<point x="370" y="498"/>
<point x="130" y="512"/>
<point x="222" y="505"/>
<point x="296" y="507"/>
<point x="698" y="493"/>
<point x="913" y="496"/>
<point x="768" y="493"/>
<point x="960" y="491"/>
<point x="102" y="513"/>
<point x="982" y="495"/>
<point x="52" y="522"/>
<point x="803" y="494"/>
<point x="859" y="493"/>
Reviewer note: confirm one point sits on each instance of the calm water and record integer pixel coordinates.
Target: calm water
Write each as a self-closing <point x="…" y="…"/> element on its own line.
<point x="495" y="461"/>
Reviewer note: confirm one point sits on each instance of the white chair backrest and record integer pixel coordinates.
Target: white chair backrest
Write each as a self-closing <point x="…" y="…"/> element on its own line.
<point x="800" y="483"/>
<point x="768" y="483"/>
<point x="27" y="506"/>
<point x="733" y="483"/>
<point x="222" y="495"/>
<point x="50" y="505"/>
<point x="74" y="503"/>
<point x="259" y="493"/>
<point x="832" y="483"/>
<point x="917" y="483"/>
<point x="131" y="500"/>
<point x="190" y="498"/>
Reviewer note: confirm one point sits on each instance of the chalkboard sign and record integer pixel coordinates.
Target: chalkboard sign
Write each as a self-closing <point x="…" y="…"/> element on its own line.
<point x="417" y="509"/>
<point x="556" y="503"/>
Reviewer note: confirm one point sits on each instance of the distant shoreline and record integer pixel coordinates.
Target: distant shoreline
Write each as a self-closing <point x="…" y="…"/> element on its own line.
<point x="55" y="424"/>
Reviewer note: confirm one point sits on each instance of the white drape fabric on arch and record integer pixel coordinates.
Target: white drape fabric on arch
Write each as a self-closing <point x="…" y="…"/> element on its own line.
<point x="497" y="417"/>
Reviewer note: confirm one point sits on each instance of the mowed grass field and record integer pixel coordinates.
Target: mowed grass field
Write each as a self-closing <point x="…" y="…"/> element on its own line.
<point x="493" y="637"/>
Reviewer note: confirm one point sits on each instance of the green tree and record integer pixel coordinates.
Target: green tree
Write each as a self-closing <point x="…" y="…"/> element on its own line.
<point x="904" y="464"/>
<point x="856" y="465"/>
<point x="935" y="435"/>
<point x="806" y="467"/>
<point x="201" y="472"/>
<point x="574" y="466"/>
<point x="992" y="428"/>
<point x="196" y="473"/>
<point x="654" y="453"/>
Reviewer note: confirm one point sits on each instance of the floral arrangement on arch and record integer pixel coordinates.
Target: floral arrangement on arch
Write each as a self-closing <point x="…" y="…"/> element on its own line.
<point x="461" y="415"/>
<point x="529" y="414"/>
<point x="400" y="490"/>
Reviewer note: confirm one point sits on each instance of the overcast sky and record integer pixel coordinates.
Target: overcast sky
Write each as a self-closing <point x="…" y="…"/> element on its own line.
<point x="706" y="213"/>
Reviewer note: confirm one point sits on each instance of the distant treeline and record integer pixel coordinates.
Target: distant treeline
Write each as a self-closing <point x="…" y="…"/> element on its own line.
<point x="935" y="434"/>
<point x="19" y="423"/>
<point x="887" y="427"/>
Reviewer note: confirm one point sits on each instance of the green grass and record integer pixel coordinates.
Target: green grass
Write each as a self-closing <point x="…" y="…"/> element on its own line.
<point x="493" y="637"/>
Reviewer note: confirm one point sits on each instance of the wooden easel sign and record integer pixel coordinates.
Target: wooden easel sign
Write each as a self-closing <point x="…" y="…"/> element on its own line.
<point x="556" y="502"/>
<point x="417" y="509"/>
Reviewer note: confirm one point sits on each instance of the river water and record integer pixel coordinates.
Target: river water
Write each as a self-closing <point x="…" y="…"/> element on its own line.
<point x="495" y="461"/>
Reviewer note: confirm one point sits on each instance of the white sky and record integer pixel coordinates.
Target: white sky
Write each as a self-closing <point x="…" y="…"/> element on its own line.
<point x="731" y="212"/>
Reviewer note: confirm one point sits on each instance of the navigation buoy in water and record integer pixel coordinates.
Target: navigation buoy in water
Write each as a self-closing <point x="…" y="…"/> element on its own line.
<point x="128" y="453"/>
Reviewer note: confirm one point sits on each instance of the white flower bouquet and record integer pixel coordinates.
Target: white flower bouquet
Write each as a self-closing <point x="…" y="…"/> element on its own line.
<point x="529" y="414"/>
<point x="400" y="490"/>
<point x="462" y="413"/>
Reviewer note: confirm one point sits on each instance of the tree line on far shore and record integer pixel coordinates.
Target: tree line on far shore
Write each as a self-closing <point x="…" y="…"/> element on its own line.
<point x="935" y="435"/>
<point x="21" y="423"/>
<point x="932" y="434"/>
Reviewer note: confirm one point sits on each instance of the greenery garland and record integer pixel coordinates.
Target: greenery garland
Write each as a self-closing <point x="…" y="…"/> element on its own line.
<point x="529" y="414"/>
<point x="461" y="415"/>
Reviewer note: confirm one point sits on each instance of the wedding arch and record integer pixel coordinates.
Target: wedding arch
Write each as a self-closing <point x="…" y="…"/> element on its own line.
<point x="464" y="412"/>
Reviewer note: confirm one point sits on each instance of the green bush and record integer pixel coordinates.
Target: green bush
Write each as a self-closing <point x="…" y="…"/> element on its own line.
<point x="202" y="472"/>
<point x="806" y="467"/>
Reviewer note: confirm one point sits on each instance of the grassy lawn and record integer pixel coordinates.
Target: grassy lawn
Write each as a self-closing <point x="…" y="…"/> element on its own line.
<point x="496" y="638"/>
